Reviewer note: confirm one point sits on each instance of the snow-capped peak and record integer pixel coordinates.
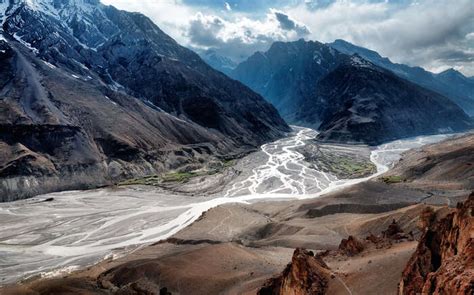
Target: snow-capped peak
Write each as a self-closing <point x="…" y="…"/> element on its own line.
<point x="58" y="3"/>
<point x="357" y="60"/>
<point x="50" y="7"/>
<point x="70" y="14"/>
<point x="7" y="6"/>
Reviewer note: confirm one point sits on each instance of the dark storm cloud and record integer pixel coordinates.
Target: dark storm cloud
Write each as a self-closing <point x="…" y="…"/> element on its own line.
<point x="204" y="33"/>
<point x="286" y="23"/>
<point x="241" y="37"/>
<point x="456" y="55"/>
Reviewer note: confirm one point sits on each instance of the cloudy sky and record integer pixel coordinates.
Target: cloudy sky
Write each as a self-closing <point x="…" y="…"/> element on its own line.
<point x="435" y="34"/>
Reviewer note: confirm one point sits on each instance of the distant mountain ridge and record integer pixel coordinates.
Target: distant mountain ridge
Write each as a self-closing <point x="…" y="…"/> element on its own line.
<point x="217" y="61"/>
<point x="371" y="105"/>
<point x="287" y="74"/>
<point x="346" y="97"/>
<point x="449" y="83"/>
<point x="92" y="95"/>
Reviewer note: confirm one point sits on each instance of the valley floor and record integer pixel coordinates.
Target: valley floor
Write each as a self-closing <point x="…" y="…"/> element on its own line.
<point x="230" y="241"/>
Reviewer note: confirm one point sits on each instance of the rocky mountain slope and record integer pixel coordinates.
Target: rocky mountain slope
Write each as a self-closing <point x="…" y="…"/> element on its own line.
<point x="346" y="97"/>
<point x="92" y="95"/>
<point x="287" y="75"/>
<point x="305" y="274"/>
<point x="371" y="105"/>
<point x="443" y="262"/>
<point x="449" y="83"/>
<point x="448" y="164"/>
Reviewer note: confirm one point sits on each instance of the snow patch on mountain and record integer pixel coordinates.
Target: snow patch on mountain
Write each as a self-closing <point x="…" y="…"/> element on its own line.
<point x="26" y="44"/>
<point x="50" y="65"/>
<point x="3" y="7"/>
<point x="358" y="61"/>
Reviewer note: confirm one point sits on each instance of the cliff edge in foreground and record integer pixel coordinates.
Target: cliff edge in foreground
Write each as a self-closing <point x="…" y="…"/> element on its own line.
<point x="443" y="262"/>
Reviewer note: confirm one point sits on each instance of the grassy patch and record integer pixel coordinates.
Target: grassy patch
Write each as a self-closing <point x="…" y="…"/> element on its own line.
<point x="345" y="167"/>
<point x="228" y="163"/>
<point x="349" y="166"/>
<point x="393" y="179"/>
<point x="179" y="176"/>
<point x="156" y="180"/>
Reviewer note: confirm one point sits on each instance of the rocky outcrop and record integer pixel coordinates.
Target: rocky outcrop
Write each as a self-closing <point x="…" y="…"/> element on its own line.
<point x="394" y="231"/>
<point x="144" y="279"/>
<point x="305" y="275"/>
<point x="443" y="262"/>
<point x="351" y="246"/>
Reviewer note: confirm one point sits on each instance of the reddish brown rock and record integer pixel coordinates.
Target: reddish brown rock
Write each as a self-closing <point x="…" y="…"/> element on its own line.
<point x="373" y="239"/>
<point x="443" y="262"/>
<point x="351" y="246"/>
<point x="305" y="275"/>
<point x="393" y="230"/>
<point x="426" y="218"/>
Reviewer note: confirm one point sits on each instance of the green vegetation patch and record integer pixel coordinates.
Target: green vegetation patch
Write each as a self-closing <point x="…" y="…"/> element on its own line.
<point x="393" y="179"/>
<point x="345" y="167"/>
<point x="156" y="180"/>
<point x="177" y="176"/>
<point x="228" y="163"/>
<point x="350" y="166"/>
<point x="180" y="176"/>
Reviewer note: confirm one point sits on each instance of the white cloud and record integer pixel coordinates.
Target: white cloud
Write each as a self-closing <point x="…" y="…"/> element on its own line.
<point x="242" y="36"/>
<point x="238" y="35"/>
<point x="172" y="16"/>
<point x="432" y="34"/>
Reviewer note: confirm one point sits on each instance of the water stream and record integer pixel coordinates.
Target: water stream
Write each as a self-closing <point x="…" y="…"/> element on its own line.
<point x="80" y="228"/>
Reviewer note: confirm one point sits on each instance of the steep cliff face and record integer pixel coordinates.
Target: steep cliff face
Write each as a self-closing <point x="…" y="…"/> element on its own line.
<point x="351" y="246"/>
<point x="443" y="262"/>
<point x="305" y="275"/>
<point x="91" y="95"/>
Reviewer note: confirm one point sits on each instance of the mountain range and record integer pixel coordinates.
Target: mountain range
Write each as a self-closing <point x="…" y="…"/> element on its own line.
<point x="450" y="83"/>
<point x="218" y="61"/>
<point x="91" y="95"/>
<point x="348" y="98"/>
